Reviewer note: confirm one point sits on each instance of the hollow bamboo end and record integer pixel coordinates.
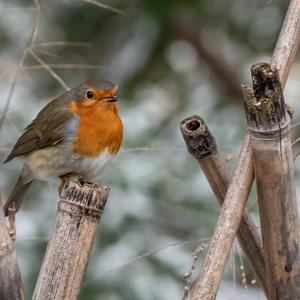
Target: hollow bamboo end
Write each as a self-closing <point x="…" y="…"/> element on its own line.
<point x="199" y="141"/>
<point x="193" y="125"/>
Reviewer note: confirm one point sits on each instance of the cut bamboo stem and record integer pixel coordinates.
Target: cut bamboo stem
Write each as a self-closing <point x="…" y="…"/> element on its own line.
<point x="269" y="130"/>
<point x="201" y="144"/>
<point x="283" y="56"/>
<point x="11" y="286"/>
<point x="64" y="265"/>
<point x="228" y="222"/>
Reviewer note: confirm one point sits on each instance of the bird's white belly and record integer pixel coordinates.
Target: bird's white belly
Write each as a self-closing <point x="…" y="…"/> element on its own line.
<point x="92" y="167"/>
<point x="49" y="163"/>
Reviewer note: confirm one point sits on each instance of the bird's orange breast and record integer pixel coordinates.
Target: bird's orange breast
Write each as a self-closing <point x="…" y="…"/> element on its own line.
<point x="99" y="128"/>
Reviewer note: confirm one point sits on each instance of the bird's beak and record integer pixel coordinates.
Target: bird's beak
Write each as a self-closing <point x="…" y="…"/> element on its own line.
<point x="111" y="99"/>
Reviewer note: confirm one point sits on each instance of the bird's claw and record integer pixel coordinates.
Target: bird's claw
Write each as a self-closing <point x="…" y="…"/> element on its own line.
<point x="75" y="176"/>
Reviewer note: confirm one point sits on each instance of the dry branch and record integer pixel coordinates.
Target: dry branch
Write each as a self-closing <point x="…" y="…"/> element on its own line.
<point x="22" y="60"/>
<point x="11" y="286"/>
<point x="288" y="42"/>
<point x="269" y="130"/>
<point x="209" y="278"/>
<point x="79" y="213"/>
<point x="201" y="144"/>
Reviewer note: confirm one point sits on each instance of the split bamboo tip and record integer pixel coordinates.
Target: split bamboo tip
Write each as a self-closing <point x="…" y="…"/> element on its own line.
<point x="264" y="103"/>
<point x="199" y="141"/>
<point x="87" y="199"/>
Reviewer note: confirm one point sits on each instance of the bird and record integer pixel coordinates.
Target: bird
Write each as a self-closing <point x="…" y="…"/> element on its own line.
<point x="78" y="132"/>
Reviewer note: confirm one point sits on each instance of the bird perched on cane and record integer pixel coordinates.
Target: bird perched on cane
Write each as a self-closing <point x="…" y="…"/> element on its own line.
<point x="78" y="132"/>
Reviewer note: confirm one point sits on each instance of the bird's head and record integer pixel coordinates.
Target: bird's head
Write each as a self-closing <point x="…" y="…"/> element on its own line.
<point x="93" y="93"/>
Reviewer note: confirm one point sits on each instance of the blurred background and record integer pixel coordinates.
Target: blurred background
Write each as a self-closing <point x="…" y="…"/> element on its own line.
<point x="171" y="59"/>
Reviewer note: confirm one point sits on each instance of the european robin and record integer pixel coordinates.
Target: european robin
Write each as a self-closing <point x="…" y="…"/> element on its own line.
<point x="78" y="132"/>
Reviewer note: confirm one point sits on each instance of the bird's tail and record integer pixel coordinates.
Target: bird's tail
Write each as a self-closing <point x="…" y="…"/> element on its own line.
<point x="17" y="195"/>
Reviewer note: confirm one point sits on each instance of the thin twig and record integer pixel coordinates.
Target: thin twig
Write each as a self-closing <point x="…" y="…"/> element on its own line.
<point x="154" y="149"/>
<point x="24" y="55"/>
<point x="62" y="44"/>
<point x="296" y="141"/>
<point x="16" y="8"/>
<point x="17" y="131"/>
<point x="45" y="51"/>
<point x="32" y="238"/>
<point x="253" y="206"/>
<point x="295" y="124"/>
<point x="188" y="275"/>
<point x="49" y="70"/>
<point x="144" y="255"/>
<point x="105" y="6"/>
<point x="64" y="66"/>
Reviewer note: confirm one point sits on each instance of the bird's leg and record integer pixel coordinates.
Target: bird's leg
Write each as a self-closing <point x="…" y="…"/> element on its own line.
<point x="12" y="220"/>
<point x="76" y="177"/>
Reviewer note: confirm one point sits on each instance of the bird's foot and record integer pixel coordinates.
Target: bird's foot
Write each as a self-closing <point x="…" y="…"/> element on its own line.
<point x="91" y="184"/>
<point x="12" y="220"/>
<point x="74" y="176"/>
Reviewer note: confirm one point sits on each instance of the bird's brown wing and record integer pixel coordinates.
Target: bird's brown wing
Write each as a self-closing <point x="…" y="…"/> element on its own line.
<point x="47" y="129"/>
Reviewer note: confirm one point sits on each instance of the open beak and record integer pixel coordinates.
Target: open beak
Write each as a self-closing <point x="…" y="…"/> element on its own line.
<point x="111" y="99"/>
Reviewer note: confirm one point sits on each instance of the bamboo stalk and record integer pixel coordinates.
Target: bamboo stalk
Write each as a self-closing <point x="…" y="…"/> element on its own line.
<point x="64" y="265"/>
<point x="201" y="144"/>
<point x="11" y="286"/>
<point x="282" y="59"/>
<point x="288" y="41"/>
<point x="228" y="222"/>
<point x="270" y="134"/>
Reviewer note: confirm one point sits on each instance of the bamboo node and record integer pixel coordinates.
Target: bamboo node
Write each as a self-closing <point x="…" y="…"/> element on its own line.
<point x="87" y="199"/>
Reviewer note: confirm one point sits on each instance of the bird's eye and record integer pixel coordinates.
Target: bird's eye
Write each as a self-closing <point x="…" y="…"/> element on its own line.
<point x="89" y="94"/>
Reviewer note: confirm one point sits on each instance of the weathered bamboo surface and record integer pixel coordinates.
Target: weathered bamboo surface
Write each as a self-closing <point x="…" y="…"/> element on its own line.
<point x="201" y="144"/>
<point x="269" y="130"/>
<point x="288" y="41"/>
<point x="283" y="56"/>
<point x="228" y="222"/>
<point x="64" y="265"/>
<point x="11" y="287"/>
